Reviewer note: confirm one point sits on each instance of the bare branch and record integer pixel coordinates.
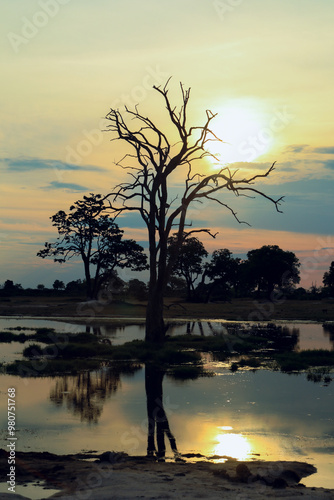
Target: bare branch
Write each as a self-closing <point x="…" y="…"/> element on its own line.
<point x="150" y="165"/>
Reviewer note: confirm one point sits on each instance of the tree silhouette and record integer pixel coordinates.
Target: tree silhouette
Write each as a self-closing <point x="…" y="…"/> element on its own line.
<point x="223" y="271"/>
<point x="270" y="266"/>
<point x="328" y="279"/>
<point x="58" y="285"/>
<point x="187" y="261"/>
<point x="10" y="289"/>
<point x="153" y="164"/>
<point x="96" y="239"/>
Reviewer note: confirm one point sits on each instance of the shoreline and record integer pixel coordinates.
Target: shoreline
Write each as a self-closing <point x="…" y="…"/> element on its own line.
<point x="236" y="310"/>
<point x="120" y="476"/>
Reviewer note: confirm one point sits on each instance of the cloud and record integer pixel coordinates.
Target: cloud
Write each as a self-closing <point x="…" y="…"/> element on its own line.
<point x="324" y="151"/>
<point x="67" y="186"/>
<point x="26" y="164"/>
<point x="328" y="164"/>
<point x="296" y="148"/>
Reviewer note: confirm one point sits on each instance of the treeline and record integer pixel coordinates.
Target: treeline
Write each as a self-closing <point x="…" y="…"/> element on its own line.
<point x="196" y="277"/>
<point x="89" y="233"/>
<point x="266" y="273"/>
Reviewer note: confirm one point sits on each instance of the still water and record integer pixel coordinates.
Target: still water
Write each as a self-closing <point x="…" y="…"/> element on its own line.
<point x="246" y="415"/>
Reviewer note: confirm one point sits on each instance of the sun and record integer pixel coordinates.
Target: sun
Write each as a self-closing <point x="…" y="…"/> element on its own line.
<point x="242" y="125"/>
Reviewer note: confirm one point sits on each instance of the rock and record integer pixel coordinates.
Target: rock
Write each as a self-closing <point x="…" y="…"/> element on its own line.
<point x="112" y="457"/>
<point x="279" y="483"/>
<point x="243" y="473"/>
<point x="290" y="476"/>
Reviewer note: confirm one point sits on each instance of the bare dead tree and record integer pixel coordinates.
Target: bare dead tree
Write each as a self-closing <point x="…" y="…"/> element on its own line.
<point x="151" y="166"/>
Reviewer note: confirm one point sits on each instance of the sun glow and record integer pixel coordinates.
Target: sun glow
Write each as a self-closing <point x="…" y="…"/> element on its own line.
<point x="232" y="445"/>
<point x="243" y="127"/>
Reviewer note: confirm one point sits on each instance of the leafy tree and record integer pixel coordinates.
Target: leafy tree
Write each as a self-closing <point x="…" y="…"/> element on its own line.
<point x="176" y="286"/>
<point x="41" y="286"/>
<point x="158" y="158"/>
<point x="75" y="287"/>
<point x="328" y="279"/>
<point x="187" y="261"/>
<point x="270" y="266"/>
<point x="58" y="285"/>
<point x="137" y="289"/>
<point x="223" y="271"/>
<point x="9" y="288"/>
<point x="84" y="232"/>
<point x="113" y="283"/>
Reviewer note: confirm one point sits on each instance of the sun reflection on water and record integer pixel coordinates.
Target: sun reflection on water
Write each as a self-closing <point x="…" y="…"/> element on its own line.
<point x="232" y="445"/>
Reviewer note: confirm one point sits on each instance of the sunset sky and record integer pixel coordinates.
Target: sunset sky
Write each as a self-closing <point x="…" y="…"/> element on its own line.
<point x="265" y="66"/>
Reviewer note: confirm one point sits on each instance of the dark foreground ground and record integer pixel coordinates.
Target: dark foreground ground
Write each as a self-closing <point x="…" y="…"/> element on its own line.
<point x="118" y="476"/>
<point x="238" y="309"/>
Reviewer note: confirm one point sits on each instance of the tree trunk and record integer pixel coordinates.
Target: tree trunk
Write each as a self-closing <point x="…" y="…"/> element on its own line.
<point x="89" y="290"/>
<point x="155" y="325"/>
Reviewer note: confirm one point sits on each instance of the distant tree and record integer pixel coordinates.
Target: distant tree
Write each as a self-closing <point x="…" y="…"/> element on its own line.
<point x="187" y="261"/>
<point x="137" y="289"/>
<point x="176" y="287"/>
<point x="9" y="288"/>
<point x="58" y="285"/>
<point x="314" y="292"/>
<point x="40" y="287"/>
<point x="270" y="266"/>
<point x="113" y="283"/>
<point x="328" y="280"/>
<point x="223" y="273"/>
<point x="75" y="287"/>
<point x="84" y="232"/>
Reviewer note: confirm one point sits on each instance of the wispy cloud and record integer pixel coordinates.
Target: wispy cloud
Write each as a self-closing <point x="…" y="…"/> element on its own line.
<point x="27" y="164"/>
<point x="296" y="148"/>
<point x="67" y="186"/>
<point x="324" y="151"/>
<point x="329" y="164"/>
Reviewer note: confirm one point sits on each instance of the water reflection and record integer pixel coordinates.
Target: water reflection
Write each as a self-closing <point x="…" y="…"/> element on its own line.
<point x="329" y="332"/>
<point x="282" y="417"/>
<point x="158" y="426"/>
<point x="232" y="445"/>
<point x="311" y="335"/>
<point x="86" y="393"/>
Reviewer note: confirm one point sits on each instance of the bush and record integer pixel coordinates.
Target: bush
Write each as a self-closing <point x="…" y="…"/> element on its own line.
<point x="32" y="351"/>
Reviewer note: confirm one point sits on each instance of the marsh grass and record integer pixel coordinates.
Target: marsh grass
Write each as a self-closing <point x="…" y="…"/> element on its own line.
<point x="179" y="355"/>
<point x="7" y="337"/>
<point x="297" y="361"/>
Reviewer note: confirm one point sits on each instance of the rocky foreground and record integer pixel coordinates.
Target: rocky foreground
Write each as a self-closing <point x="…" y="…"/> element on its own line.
<point x="116" y="476"/>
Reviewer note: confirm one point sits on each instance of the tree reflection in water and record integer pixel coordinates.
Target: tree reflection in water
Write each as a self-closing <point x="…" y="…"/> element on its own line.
<point x="85" y="394"/>
<point x="158" y="426"/>
<point x="329" y="331"/>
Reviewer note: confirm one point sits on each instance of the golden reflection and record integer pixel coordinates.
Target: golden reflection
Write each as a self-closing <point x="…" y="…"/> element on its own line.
<point x="232" y="445"/>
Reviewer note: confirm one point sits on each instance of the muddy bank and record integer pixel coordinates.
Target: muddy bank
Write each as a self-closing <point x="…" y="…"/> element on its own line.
<point x="119" y="476"/>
